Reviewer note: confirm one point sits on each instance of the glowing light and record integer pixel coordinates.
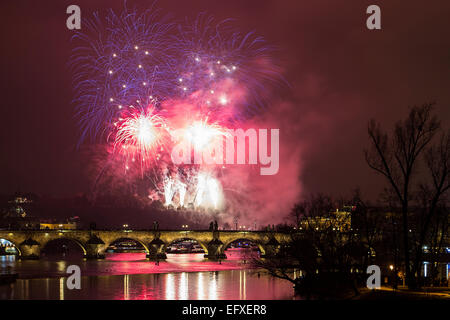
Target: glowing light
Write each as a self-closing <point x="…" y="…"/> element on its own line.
<point x="212" y="288"/>
<point x="208" y="191"/>
<point x="190" y="58"/>
<point x="170" y="287"/>
<point x="144" y="132"/>
<point x="171" y="187"/>
<point x="200" y="287"/>
<point x="61" y="288"/>
<point x="223" y="100"/>
<point x="168" y="192"/>
<point x="201" y="134"/>
<point x="126" y="287"/>
<point x="140" y="131"/>
<point x="183" y="286"/>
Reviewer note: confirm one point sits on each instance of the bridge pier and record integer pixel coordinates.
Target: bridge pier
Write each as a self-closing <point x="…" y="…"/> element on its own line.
<point x="271" y="248"/>
<point x="30" y="249"/>
<point x="94" y="248"/>
<point x="156" y="250"/>
<point x="215" y="250"/>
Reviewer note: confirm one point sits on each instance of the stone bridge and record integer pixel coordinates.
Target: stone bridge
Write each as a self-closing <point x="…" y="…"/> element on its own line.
<point x="93" y="243"/>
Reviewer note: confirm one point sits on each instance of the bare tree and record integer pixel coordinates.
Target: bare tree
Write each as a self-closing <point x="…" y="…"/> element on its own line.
<point x="297" y="212"/>
<point x="329" y="255"/>
<point x="432" y="224"/>
<point x="397" y="158"/>
<point x="368" y="223"/>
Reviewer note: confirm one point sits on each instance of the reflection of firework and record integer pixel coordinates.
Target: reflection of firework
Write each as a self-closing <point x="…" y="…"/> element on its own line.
<point x="150" y="85"/>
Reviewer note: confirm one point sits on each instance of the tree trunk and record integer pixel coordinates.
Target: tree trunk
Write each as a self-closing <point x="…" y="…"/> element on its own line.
<point x="410" y="281"/>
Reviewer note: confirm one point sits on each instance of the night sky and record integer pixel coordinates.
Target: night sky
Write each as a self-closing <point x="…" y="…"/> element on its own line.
<point x="341" y="75"/>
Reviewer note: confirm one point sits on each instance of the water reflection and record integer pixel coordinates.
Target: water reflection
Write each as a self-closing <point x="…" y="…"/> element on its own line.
<point x="201" y="288"/>
<point x="212" y="292"/>
<point x="223" y="285"/>
<point x="119" y="264"/>
<point x="126" y="288"/>
<point x="130" y="276"/>
<point x="61" y="288"/>
<point x="183" y="286"/>
<point x="170" y="287"/>
<point x="242" y="287"/>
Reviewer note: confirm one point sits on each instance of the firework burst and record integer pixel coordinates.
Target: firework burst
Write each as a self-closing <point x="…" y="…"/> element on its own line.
<point x="195" y="80"/>
<point x="139" y="135"/>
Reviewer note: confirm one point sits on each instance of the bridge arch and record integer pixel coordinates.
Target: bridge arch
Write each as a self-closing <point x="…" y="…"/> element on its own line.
<point x="16" y="246"/>
<point x="145" y="246"/>
<point x="258" y="243"/>
<point x="44" y="245"/>
<point x="168" y="243"/>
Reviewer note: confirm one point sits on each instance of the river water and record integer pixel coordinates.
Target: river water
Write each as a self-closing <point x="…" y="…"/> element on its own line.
<point x="131" y="276"/>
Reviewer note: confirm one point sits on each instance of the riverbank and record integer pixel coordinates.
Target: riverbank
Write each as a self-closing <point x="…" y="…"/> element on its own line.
<point x="402" y="293"/>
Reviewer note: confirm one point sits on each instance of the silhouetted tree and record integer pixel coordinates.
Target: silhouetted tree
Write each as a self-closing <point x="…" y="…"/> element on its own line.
<point x="330" y="256"/>
<point x="397" y="158"/>
<point x="297" y="212"/>
<point x="431" y="220"/>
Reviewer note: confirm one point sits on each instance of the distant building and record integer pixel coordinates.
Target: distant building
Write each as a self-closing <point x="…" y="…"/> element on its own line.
<point x="339" y="220"/>
<point x="15" y="216"/>
<point x="69" y="224"/>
